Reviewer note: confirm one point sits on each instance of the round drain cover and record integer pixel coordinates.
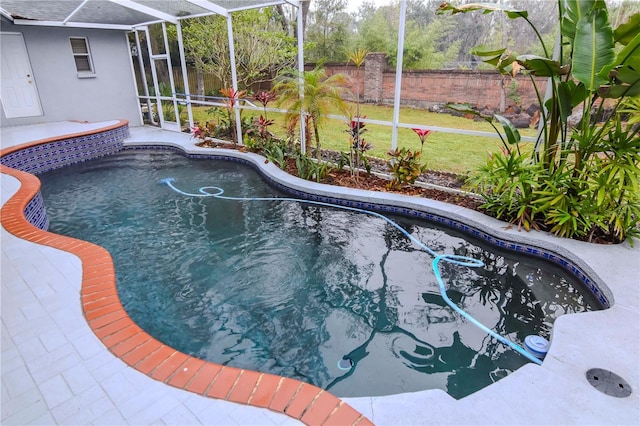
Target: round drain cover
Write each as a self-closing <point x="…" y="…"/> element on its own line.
<point x="608" y="383"/>
<point x="345" y="363"/>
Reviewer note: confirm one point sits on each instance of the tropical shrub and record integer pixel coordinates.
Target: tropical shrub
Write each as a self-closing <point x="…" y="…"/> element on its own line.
<point x="258" y="134"/>
<point x="357" y="144"/>
<point x="357" y="147"/>
<point x="276" y="151"/>
<point x="405" y="167"/>
<point x="232" y="97"/>
<point x="203" y="132"/>
<point x="264" y="98"/>
<point x="579" y="181"/>
<point x="311" y="169"/>
<point x="507" y="182"/>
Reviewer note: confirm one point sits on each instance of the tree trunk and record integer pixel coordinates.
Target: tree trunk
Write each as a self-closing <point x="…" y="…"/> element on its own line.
<point x="200" y="83"/>
<point x="503" y="97"/>
<point x="305" y="10"/>
<point x="316" y="133"/>
<point x="283" y="20"/>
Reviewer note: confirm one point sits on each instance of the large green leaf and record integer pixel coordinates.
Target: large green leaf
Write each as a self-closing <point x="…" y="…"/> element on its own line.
<point x="484" y="7"/>
<point x="484" y="50"/>
<point x="627" y="31"/>
<point x="578" y="93"/>
<point x="630" y="54"/>
<point x="505" y="66"/>
<point x="573" y="11"/>
<point x="626" y="83"/>
<point x="491" y="56"/>
<point x="592" y="49"/>
<point x="540" y="66"/>
<point x="513" y="135"/>
<point x="627" y="75"/>
<point x="564" y="96"/>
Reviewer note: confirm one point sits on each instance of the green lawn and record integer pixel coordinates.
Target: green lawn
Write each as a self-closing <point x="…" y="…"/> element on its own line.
<point x="442" y="151"/>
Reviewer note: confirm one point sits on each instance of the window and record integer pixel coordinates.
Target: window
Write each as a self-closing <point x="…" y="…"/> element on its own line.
<point x="82" y="56"/>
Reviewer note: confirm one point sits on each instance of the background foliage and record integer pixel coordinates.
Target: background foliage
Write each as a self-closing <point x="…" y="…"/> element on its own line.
<point x="432" y="42"/>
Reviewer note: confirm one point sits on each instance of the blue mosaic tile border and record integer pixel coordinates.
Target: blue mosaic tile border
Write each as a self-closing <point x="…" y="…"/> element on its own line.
<point x="36" y="212"/>
<point x="508" y="245"/>
<point x="37" y="159"/>
<point x="45" y="157"/>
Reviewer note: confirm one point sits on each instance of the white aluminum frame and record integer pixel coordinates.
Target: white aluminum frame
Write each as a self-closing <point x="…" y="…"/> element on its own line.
<point x="213" y="8"/>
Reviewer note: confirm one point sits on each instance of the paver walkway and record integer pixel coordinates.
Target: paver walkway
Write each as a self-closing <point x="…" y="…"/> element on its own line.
<point x="56" y="371"/>
<point x="54" y="368"/>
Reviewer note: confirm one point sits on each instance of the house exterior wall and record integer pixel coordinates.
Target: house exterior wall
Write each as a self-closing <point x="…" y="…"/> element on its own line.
<point x="109" y="95"/>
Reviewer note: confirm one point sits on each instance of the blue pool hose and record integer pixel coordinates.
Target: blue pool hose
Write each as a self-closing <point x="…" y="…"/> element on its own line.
<point x="451" y="258"/>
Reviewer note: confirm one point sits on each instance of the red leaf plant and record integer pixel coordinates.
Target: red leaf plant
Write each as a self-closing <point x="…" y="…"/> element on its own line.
<point x="422" y="134"/>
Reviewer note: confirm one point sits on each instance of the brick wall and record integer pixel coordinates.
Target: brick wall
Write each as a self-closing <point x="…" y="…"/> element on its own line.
<point x="489" y="89"/>
<point x="428" y="88"/>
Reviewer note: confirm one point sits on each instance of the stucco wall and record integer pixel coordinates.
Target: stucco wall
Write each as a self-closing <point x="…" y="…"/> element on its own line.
<point x="111" y="94"/>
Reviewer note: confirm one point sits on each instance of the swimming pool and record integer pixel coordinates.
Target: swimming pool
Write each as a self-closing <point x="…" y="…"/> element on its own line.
<point x="347" y="286"/>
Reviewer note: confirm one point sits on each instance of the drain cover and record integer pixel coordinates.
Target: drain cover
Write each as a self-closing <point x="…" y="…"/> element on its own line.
<point x="608" y="383"/>
<point x="345" y="363"/>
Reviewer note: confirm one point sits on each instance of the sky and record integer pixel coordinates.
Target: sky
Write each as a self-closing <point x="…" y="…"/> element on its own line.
<point x="353" y="5"/>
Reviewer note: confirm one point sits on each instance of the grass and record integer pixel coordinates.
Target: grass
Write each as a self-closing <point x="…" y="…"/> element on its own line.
<point x="442" y="151"/>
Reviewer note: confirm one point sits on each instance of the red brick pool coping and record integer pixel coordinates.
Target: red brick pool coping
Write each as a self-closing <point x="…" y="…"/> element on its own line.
<point x="125" y="339"/>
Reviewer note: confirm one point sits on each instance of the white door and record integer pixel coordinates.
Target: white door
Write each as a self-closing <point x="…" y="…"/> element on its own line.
<point x="18" y="87"/>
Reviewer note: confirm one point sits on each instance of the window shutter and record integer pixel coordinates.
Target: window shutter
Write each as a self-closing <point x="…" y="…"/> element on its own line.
<point x="81" y="56"/>
<point x="79" y="46"/>
<point x="82" y="64"/>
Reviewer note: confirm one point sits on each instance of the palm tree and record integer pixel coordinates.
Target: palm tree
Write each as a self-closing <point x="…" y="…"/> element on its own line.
<point x="358" y="145"/>
<point x="358" y="57"/>
<point x="321" y="93"/>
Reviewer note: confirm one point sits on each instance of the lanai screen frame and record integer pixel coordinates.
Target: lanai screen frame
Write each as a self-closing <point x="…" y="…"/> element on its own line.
<point x="211" y="7"/>
<point x="226" y="13"/>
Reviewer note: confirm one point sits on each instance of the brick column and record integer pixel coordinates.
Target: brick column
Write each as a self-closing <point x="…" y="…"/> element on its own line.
<point x="374" y="66"/>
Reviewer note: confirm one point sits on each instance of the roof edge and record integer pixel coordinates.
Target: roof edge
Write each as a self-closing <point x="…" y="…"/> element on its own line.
<point x="59" y="24"/>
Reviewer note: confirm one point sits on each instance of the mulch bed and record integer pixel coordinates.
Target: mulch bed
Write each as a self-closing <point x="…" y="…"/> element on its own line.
<point x="372" y="182"/>
<point x="375" y="183"/>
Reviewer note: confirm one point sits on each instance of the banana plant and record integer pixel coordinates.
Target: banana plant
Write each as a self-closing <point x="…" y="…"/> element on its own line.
<point x="571" y="160"/>
<point x="593" y="72"/>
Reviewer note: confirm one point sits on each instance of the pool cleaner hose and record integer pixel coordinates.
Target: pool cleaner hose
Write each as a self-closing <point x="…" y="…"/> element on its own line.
<point x="217" y="192"/>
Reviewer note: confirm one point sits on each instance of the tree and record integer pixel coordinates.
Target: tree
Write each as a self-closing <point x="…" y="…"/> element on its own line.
<point x="262" y="47"/>
<point x="357" y="145"/>
<point x="321" y="94"/>
<point x="328" y="32"/>
<point x="375" y="31"/>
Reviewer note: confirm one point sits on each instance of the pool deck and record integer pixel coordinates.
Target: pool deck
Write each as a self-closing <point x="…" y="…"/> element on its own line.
<point x="56" y="371"/>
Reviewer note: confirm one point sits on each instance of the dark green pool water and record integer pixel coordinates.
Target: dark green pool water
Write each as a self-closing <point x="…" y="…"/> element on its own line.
<point x="290" y="288"/>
